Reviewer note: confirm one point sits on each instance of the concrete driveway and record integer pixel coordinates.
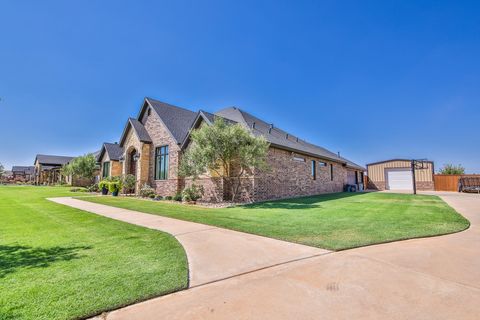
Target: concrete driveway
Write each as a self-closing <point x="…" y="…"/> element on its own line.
<point x="433" y="278"/>
<point x="213" y="253"/>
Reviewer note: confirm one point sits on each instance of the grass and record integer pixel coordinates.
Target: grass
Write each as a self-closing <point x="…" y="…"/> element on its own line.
<point x="334" y="221"/>
<point x="57" y="262"/>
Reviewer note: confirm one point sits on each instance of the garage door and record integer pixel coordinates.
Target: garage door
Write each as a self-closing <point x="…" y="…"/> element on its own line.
<point x="399" y="179"/>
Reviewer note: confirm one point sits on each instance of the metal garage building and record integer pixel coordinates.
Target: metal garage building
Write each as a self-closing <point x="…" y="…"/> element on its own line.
<point x="396" y="174"/>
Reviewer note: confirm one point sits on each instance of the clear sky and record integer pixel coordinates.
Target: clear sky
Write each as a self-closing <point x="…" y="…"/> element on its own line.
<point x="371" y="79"/>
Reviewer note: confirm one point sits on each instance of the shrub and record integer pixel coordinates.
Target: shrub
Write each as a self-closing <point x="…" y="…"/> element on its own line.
<point x="93" y="188"/>
<point x="103" y="184"/>
<point x="452" y="169"/>
<point x="168" y="198"/>
<point x="129" y="182"/>
<point x="177" y="196"/>
<point x="158" y="198"/>
<point x="146" y="191"/>
<point x="115" y="184"/>
<point x="77" y="190"/>
<point x="192" y="193"/>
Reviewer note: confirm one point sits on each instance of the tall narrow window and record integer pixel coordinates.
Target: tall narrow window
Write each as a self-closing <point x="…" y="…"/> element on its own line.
<point x="106" y="169"/>
<point x="161" y="163"/>
<point x="331" y="172"/>
<point x="314" y="170"/>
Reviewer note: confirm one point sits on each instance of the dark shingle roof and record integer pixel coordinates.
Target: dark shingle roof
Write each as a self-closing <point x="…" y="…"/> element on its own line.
<point x="24" y="169"/>
<point x="177" y="120"/>
<point x="281" y="138"/>
<point x="52" y="160"/>
<point x="139" y="129"/>
<point x="113" y="150"/>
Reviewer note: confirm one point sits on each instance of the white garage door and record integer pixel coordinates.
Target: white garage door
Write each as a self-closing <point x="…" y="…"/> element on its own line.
<point x="399" y="179"/>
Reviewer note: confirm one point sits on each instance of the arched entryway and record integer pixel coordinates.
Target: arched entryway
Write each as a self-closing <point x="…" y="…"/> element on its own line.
<point x="132" y="162"/>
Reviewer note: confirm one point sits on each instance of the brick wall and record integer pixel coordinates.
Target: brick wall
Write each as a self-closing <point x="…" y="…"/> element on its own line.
<point x="292" y="178"/>
<point x="161" y="137"/>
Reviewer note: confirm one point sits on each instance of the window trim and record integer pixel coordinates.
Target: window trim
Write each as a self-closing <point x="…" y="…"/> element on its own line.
<point x="158" y="154"/>
<point x="314" y="170"/>
<point x="107" y="171"/>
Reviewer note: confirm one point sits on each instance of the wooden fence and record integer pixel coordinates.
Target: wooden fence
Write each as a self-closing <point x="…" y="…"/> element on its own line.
<point x="449" y="182"/>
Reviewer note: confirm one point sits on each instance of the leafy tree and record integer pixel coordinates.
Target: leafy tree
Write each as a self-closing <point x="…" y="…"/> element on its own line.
<point x="452" y="169"/>
<point x="2" y="170"/>
<point x="228" y="151"/>
<point x="83" y="167"/>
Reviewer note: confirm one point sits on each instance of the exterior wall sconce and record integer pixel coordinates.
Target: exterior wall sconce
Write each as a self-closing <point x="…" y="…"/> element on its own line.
<point x="136" y="157"/>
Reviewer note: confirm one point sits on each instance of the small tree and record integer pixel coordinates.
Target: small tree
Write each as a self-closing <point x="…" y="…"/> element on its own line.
<point x="83" y="167"/>
<point x="2" y="170"/>
<point x="229" y="151"/>
<point x="452" y="169"/>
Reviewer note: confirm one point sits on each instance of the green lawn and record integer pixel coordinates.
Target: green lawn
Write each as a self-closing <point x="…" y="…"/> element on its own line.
<point x="58" y="262"/>
<point x="334" y="221"/>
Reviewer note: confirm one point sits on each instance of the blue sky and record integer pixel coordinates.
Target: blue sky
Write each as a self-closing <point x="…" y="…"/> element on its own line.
<point x="371" y="79"/>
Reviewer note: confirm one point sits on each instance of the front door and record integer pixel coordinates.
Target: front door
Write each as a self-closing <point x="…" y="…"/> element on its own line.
<point x="133" y="163"/>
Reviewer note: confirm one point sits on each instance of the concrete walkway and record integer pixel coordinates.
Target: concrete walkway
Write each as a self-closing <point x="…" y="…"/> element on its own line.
<point x="433" y="278"/>
<point x="213" y="253"/>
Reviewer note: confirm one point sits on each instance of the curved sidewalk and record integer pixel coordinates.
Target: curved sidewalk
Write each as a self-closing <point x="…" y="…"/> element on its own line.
<point x="213" y="253"/>
<point x="432" y="278"/>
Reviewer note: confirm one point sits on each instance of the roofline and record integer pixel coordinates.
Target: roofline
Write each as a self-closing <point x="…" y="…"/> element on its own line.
<point x="142" y="111"/>
<point x="200" y="115"/>
<point x="122" y="138"/>
<point x="385" y="161"/>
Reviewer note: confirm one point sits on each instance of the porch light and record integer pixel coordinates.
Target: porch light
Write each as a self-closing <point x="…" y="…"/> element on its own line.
<point x="122" y="158"/>
<point x="136" y="157"/>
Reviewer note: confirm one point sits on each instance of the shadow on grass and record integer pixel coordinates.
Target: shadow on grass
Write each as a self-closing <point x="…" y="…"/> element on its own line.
<point x="15" y="257"/>
<point x="301" y="203"/>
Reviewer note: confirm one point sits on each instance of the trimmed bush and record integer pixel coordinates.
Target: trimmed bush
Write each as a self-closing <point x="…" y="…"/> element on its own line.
<point x="192" y="193"/>
<point x="146" y="191"/>
<point x="177" y="196"/>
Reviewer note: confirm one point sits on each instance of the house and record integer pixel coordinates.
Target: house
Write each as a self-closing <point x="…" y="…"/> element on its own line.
<point x="152" y="145"/>
<point x="48" y="169"/>
<point x="396" y="174"/>
<point x="23" y="173"/>
<point x="109" y="157"/>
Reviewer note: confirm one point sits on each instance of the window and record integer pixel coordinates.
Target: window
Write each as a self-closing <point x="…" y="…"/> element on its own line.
<point x="106" y="169"/>
<point x="331" y="171"/>
<point x="314" y="170"/>
<point x="322" y="164"/>
<point x="161" y="163"/>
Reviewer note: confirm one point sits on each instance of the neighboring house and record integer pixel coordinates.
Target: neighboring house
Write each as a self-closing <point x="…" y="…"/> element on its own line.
<point x="109" y="158"/>
<point x="23" y="173"/>
<point x="152" y="145"/>
<point x="48" y="169"/>
<point x="396" y="174"/>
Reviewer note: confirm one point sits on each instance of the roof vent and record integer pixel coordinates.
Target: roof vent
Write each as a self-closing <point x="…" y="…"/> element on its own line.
<point x="339" y="154"/>
<point x="270" y="129"/>
<point x="116" y="142"/>
<point x="253" y="125"/>
<point x="297" y="139"/>
<point x="286" y="136"/>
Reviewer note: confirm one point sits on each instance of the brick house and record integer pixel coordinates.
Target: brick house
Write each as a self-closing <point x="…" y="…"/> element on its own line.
<point x="152" y="145"/>
<point x="23" y="173"/>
